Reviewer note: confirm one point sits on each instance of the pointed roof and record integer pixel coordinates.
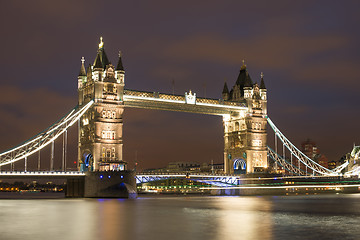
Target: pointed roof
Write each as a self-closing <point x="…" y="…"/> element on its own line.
<point x="82" y="68"/>
<point x="244" y="79"/>
<point x="262" y="83"/>
<point x="104" y="59"/>
<point x="88" y="72"/>
<point x="248" y="81"/>
<point x="119" y="66"/>
<point x="225" y="90"/>
<point x="101" y="59"/>
<point x="97" y="62"/>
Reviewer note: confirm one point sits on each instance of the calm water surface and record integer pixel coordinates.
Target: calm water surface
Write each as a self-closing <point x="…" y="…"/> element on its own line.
<point x="225" y="218"/>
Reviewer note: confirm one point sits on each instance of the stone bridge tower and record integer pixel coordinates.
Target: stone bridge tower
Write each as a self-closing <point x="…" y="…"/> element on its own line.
<point x="101" y="127"/>
<point x="245" y="147"/>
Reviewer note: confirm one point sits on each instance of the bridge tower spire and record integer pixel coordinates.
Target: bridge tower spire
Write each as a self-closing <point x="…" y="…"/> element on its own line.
<point x="119" y="71"/>
<point x="100" y="128"/>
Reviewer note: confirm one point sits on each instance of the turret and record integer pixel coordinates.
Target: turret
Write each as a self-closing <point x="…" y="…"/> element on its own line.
<point x="247" y="84"/>
<point x="100" y="63"/>
<point x="119" y="71"/>
<point x="82" y="74"/>
<point x="225" y="92"/>
<point x="263" y="88"/>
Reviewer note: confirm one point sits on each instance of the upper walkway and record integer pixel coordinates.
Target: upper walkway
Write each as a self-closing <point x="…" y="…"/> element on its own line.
<point x="187" y="103"/>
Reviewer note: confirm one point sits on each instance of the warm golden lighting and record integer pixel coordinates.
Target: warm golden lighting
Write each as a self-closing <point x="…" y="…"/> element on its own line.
<point x="101" y="44"/>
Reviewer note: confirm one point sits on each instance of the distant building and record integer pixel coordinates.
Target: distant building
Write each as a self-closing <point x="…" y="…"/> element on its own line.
<point x="183" y="167"/>
<point x="310" y="149"/>
<point x="332" y="164"/>
<point x="216" y="168"/>
<point x="190" y="167"/>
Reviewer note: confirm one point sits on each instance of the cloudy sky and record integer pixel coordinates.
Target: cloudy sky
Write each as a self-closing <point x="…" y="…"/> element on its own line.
<point x="309" y="52"/>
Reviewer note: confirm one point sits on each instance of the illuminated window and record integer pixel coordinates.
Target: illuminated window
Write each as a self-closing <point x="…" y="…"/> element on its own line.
<point x="108" y="134"/>
<point x="103" y="152"/>
<point x="104" y="114"/>
<point x="113" y="114"/>
<point x="108" y="153"/>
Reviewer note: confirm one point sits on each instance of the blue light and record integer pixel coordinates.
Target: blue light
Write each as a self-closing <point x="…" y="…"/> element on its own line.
<point x="122" y="176"/>
<point x="109" y="176"/>
<point x="101" y="176"/>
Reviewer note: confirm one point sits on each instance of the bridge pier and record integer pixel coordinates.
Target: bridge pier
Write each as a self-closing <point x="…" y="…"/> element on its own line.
<point x="103" y="184"/>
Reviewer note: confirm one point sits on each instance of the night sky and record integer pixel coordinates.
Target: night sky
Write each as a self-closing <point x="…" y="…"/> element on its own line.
<point x="309" y="52"/>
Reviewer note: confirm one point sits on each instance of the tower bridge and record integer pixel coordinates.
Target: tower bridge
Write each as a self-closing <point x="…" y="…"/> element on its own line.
<point x="102" y="99"/>
<point x="243" y="109"/>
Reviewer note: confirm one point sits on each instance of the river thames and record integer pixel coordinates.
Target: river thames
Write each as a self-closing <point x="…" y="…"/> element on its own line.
<point x="182" y="217"/>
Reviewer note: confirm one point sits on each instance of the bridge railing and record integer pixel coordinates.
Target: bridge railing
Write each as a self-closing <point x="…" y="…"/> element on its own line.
<point x="181" y="98"/>
<point x="44" y="138"/>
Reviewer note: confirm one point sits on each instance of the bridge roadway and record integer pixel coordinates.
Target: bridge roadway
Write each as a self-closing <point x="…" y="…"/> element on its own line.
<point x="216" y="180"/>
<point x="140" y="178"/>
<point x="161" y="101"/>
<point x="40" y="174"/>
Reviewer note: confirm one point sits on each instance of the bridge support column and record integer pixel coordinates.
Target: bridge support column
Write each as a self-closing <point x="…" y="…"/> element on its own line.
<point x="63" y="165"/>
<point x="39" y="154"/>
<point x="52" y="156"/>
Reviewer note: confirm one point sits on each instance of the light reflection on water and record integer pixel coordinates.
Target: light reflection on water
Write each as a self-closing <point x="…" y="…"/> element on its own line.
<point x="300" y="217"/>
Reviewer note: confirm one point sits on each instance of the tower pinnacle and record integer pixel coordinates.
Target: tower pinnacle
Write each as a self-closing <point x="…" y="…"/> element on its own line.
<point x="262" y="83"/>
<point x="101" y="44"/>
<point x="243" y="65"/>
<point x="82" y="69"/>
<point x="120" y="66"/>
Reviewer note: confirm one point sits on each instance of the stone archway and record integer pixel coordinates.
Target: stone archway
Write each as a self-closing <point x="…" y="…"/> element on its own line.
<point x="239" y="166"/>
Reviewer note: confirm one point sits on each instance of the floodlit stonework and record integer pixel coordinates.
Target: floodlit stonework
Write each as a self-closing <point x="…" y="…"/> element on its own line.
<point x="243" y="108"/>
<point x="100" y="134"/>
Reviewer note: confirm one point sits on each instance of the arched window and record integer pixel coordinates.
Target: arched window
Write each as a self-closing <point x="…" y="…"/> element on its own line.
<point x="113" y="114"/>
<point x="236" y="126"/>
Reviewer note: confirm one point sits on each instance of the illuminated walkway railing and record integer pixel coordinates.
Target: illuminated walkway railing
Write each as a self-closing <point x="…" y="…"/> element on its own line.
<point x="301" y="157"/>
<point x="285" y="164"/>
<point x="44" y="138"/>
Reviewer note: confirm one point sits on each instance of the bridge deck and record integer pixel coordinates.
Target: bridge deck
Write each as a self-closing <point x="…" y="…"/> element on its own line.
<point x="40" y="174"/>
<point x="160" y="101"/>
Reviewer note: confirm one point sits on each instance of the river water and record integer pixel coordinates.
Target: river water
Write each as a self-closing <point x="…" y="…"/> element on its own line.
<point x="185" y="218"/>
